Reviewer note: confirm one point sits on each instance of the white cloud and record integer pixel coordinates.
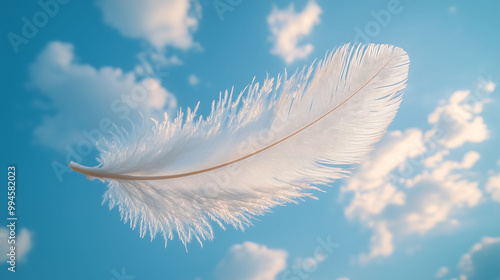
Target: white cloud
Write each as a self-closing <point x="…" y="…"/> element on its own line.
<point x="343" y="278"/>
<point x="428" y="199"/>
<point x="370" y="186"/>
<point x="458" y="120"/>
<point x="23" y="244"/>
<point x="493" y="187"/>
<point x="288" y="27"/>
<point x="481" y="262"/>
<point x="160" y="22"/>
<point x="85" y="98"/>
<point x="442" y="272"/>
<point x="193" y="80"/>
<point x="409" y="185"/>
<point x="437" y="192"/>
<point x="488" y="86"/>
<point x="251" y="261"/>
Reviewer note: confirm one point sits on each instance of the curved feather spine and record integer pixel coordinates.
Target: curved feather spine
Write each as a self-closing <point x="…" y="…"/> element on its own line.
<point x="93" y="172"/>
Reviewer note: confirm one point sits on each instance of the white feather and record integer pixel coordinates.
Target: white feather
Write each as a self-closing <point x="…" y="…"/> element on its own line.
<point x="267" y="147"/>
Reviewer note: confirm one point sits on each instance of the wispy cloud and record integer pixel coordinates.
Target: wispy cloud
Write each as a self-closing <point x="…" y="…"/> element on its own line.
<point x="251" y="261"/>
<point x="380" y="242"/>
<point x="288" y="27"/>
<point x="81" y="96"/>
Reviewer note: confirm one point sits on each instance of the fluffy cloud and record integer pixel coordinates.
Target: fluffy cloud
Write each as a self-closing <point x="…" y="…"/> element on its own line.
<point x="459" y="121"/>
<point x="371" y="189"/>
<point x="413" y="205"/>
<point x="251" y="261"/>
<point x="23" y="244"/>
<point x="409" y="186"/>
<point x="161" y="23"/>
<point x="438" y="191"/>
<point x="288" y="27"/>
<point x="481" y="262"/>
<point x="82" y="98"/>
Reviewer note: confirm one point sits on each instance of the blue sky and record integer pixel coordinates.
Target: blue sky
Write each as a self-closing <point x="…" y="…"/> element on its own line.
<point x="423" y="205"/>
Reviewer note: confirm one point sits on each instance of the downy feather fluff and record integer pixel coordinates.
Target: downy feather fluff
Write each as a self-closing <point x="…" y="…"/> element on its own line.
<point x="272" y="144"/>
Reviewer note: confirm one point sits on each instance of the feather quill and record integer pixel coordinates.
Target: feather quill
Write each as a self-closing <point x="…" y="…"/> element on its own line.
<point x="272" y="144"/>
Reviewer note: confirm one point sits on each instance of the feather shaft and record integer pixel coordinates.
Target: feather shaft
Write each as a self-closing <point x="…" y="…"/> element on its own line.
<point x="97" y="173"/>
